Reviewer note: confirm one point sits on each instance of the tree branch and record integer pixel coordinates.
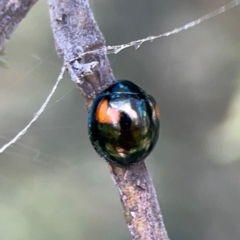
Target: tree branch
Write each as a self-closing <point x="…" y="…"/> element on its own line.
<point x="82" y="46"/>
<point x="138" y="196"/>
<point x="11" y="14"/>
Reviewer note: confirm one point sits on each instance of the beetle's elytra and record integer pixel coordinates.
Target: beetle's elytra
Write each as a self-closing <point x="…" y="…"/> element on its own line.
<point x="124" y="123"/>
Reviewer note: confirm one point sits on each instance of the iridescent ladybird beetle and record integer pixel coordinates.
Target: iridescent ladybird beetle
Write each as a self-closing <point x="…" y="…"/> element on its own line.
<point x="124" y="123"/>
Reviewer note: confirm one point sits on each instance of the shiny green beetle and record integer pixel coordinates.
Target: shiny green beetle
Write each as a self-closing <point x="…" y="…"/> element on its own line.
<point x="124" y="123"/>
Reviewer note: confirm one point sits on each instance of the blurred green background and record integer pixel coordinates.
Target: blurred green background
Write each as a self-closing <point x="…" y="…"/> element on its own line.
<point x="52" y="183"/>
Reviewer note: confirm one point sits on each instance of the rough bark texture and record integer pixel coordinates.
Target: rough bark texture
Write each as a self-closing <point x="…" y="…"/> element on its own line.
<point x="82" y="46"/>
<point x="11" y="13"/>
<point x="141" y="209"/>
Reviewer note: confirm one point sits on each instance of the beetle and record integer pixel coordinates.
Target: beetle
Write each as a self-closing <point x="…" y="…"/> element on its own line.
<point x="124" y="123"/>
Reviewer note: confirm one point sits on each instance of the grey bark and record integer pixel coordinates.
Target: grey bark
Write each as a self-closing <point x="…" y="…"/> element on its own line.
<point x="11" y="14"/>
<point x="82" y="46"/>
<point x="80" y="43"/>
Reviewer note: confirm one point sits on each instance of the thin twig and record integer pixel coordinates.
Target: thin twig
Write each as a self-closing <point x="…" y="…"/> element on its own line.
<point x="11" y="14"/>
<point x="141" y="208"/>
<point x="82" y="46"/>
<point x="77" y="35"/>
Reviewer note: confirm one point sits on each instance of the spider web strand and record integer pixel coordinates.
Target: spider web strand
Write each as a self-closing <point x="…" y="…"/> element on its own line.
<point x="117" y="48"/>
<point x="36" y="116"/>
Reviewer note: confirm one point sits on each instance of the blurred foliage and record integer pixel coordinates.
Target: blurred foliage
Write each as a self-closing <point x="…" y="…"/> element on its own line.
<point x="3" y="63"/>
<point x="52" y="183"/>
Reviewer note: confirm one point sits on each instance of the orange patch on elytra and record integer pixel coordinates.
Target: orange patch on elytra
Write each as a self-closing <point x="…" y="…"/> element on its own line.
<point x="106" y="114"/>
<point x="157" y="111"/>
